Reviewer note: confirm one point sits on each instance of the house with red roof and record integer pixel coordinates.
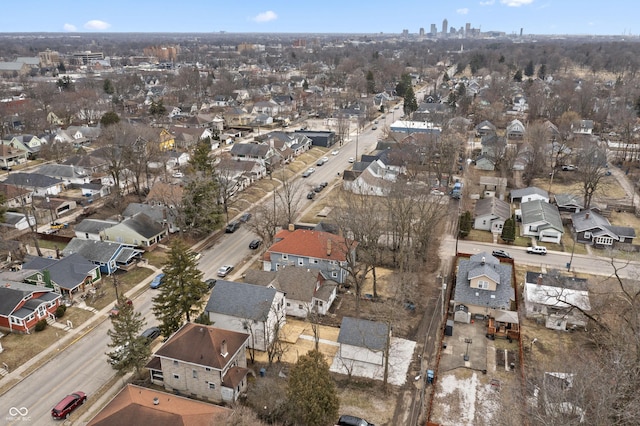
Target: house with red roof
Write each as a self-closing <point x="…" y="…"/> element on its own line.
<point x="323" y="251"/>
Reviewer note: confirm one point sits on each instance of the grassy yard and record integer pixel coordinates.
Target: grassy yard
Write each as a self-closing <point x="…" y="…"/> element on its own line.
<point x="106" y="293"/>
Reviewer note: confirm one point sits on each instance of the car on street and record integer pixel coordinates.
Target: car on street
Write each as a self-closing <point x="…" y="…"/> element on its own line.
<point x="224" y="270"/>
<point x="151" y="334"/>
<point x="210" y="282"/>
<point x="537" y="250"/>
<point x="308" y="172"/>
<point x="352" y="160"/>
<point x="157" y="281"/>
<point x="69" y="403"/>
<point x="324" y="184"/>
<point x="569" y="168"/>
<point x="375" y="122"/>
<point x="254" y="244"/>
<point x="232" y="227"/>
<point x="58" y="225"/>
<point x="374" y="128"/>
<point x="318" y="188"/>
<point x="311" y="195"/>
<point x="335" y="152"/>
<point x="245" y="217"/>
<point x="178" y="174"/>
<point x="501" y="253"/>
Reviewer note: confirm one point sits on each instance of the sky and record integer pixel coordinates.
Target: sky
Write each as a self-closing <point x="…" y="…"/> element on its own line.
<point x="570" y="17"/>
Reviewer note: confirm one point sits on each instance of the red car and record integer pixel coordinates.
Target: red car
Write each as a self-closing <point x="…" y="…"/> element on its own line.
<point x="68" y="404"/>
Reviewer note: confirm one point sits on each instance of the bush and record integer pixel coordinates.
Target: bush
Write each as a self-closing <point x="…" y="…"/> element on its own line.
<point x="41" y="325"/>
<point x="60" y="311"/>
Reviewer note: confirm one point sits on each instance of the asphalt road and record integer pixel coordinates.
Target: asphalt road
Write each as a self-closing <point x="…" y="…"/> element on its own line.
<point x="580" y="263"/>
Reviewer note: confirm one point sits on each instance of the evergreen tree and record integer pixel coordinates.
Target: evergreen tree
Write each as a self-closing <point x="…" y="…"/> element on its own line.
<point x="542" y="72"/>
<point x="529" y="69"/>
<point x="200" y="160"/>
<point x="403" y="85"/>
<point x="108" y="88"/>
<point x="410" y="102"/>
<point x="371" y="84"/>
<point x="201" y="208"/>
<point x="509" y="231"/>
<point x="312" y="397"/>
<point x="518" y="76"/>
<point x="157" y="108"/>
<point x="465" y="224"/>
<point x="109" y="118"/>
<point x="180" y="295"/>
<point x="130" y="349"/>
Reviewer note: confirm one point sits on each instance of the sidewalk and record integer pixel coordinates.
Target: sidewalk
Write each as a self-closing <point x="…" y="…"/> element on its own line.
<point x="71" y="336"/>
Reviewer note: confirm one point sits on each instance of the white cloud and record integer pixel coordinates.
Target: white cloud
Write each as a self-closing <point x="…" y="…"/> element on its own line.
<point x="516" y="3"/>
<point x="487" y="3"/>
<point x="96" y="25"/>
<point x="69" y="28"/>
<point x="267" y="16"/>
<point x="462" y="11"/>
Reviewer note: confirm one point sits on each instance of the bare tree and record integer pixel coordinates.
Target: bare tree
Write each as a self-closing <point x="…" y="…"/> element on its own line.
<point x="289" y="194"/>
<point x="592" y="168"/>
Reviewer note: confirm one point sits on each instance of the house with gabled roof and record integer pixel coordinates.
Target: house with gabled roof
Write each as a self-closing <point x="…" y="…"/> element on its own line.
<point x="139" y="230"/>
<point x="490" y="214"/>
<point x="30" y="143"/>
<point x="137" y="405"/>
<point x="485" y="128"/>
<point x="67" y="174"/>
<point x="165" y="194"/>
<point x="483" y="287"/>
<point x="561" y="301"/>
<point x="39" y="185"/>
<point x="247" y="308"/>
<point x="15" y="196"/>
<point x="207" y="362"/>
<point x="18" y="221"/>
<point x="23" y="305"/>
<point x="90" y="229"/>
<point x="363" y="342"/>
<point x="11" y="156"/>
<point x="596" y="230"/>
<point x="163" y="215"/>
<point x="109" y="256"/>
<point x="530" y="193"/>
<point x="569" y="202"/>
<point x="306" y="289"/>
<point x="323" y="251"/>
<point x="515" y="130"/>
<point x="252" y="152"/>
<point x="67" y="275"/>
<point x="542" y="221"/>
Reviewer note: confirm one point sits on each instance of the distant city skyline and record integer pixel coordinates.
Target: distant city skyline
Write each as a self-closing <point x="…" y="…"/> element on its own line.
<point x="544" y="17"/>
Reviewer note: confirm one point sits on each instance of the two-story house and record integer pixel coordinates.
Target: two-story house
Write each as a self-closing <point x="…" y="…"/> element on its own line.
<point x="247" y="308"/>
<point x="109" y="256"/>
<point x="306" y="290"/>
<point x="323" y="251"/>
<point x="206" y="362"/>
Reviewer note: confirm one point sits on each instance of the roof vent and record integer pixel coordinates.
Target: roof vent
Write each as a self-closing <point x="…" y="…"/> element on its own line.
<point x="156" y="401"/>
<point x="223" y="349"/>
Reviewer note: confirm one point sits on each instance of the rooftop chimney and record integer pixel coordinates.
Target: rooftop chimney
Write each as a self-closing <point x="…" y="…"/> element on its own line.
<point x="156" y="401"/>
<point x="223" y="349"/>
<point x="483" y="260"/>
<point x="292" y="227"/>
<point x="328" y="247"/>
<point x="586" y="215"/>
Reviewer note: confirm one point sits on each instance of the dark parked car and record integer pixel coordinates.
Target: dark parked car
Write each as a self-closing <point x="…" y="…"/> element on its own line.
<point x="318" y="188"/>
<point x="245" y="217"/>
<point x="151" y="334"/>
<point x="68" y="404"/>
<point x="501" y="253"/>
<point x="255" y="244"/>
<point x="311" y="195"/>
<point x="211" y="283"/>
<point x="353" y="421"/>
<point x="232" y="227"/>
<point x="324" y="184"/>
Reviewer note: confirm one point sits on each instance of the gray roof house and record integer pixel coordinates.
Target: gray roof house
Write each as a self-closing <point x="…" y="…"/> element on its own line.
<point x="306" y="289"/>
<point x="363" y="342"/>
<point x="139" y="230"/>
<point x="490" y="214"/>
<point x="541" y="220"/>
<point x="529" y="194"/>
<point x="90" y="229"/>
<point x="70" y="274"/>
<point x="569" y="202"/>
<point x="591" y="228"/>
<point x="247" y="308"/>
<point x="162" y="215"/>
<point x="109" y="256"/>
<point x="40" y="184"/>
<point x="483" y="286"/>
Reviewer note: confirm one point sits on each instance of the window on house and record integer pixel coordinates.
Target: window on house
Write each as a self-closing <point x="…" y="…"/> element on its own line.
<point x="300" y="306"/>
<point x="300" y="262"/>
<point x="175" y="363"/>
<point x="211" y="385"/>
<point x="195" y="374"/>
<point x="314" y="261"/>
<point x="587" y="235"/>
<point x="176" y="376"/>
<point x="483" y="284"/>
<point x="606" y="241"/>
<point x="285" y="257"/>
<point x="288" y="305"/>
<point x="334" y="274"/>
